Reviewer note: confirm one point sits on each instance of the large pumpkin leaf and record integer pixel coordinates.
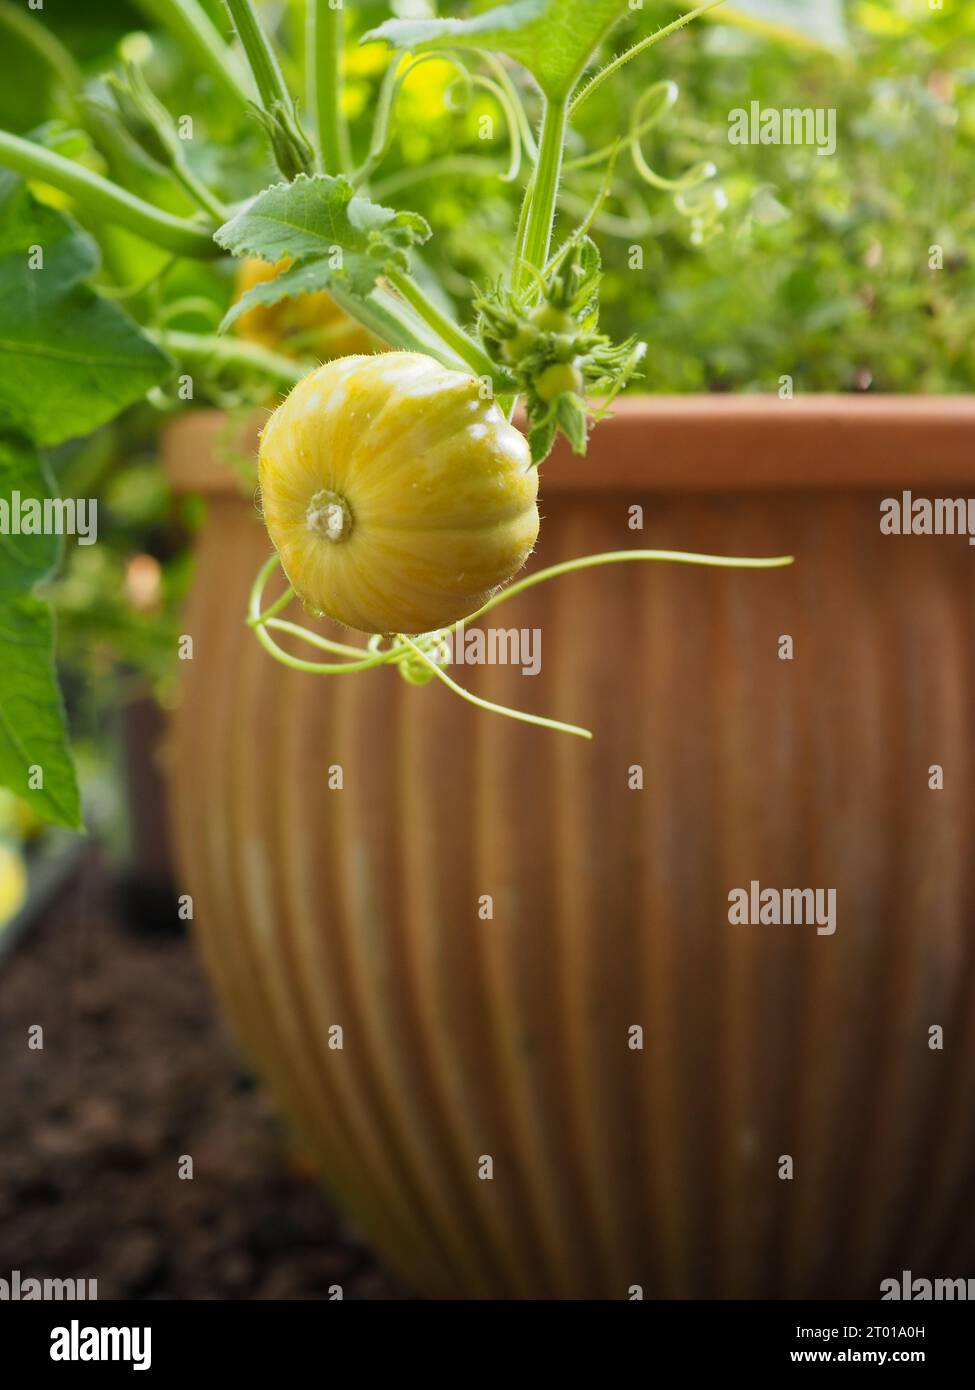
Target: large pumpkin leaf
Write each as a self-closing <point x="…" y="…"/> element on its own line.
<point x="35" y="759"/>
<point x="556" y="39"/>
<point x="553" y="39"/>
<point x="69" y="361"/>
<point x="817" y="22"/>
<point x="312" y="217"/>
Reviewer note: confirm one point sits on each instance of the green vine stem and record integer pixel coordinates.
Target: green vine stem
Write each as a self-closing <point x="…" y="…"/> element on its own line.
<point x="392" y="320"/>
<point x="518" y="258"/>
<point x="324" y="45"/>
<point x="199" y="37"/>
<point x="452" y="334"/>
<point x="104" y="199"/>
<point x="541" y="196"/>
<point x="205" y="350"/>
<point x="405" y="652"/>
<point x="199" y="192"/>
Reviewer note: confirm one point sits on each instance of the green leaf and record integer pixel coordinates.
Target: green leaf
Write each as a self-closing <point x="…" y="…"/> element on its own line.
<point x="24" y="559"/>
<point x="541" y="437"/>
<point x="553" y="39"/>
<point x="69" y="361"/>
<point x="313" y="216"/>
<point x="818" y="22"/>
<point x="357" y="275"/>
<point x="573" y="423"/>
<point x="32" y="723"/>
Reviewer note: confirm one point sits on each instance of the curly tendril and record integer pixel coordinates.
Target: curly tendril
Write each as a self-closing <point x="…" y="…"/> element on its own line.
<point x="651" y="108"/>
<point x="468" y="81"/>
<point x="695" y="196"/>
<point x="422" y="659"/>
<point x="500" y="86"/>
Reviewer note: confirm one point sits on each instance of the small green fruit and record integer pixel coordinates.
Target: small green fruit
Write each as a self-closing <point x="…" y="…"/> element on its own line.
<point x="561" y="379"/>
<point x="515" y="350"/>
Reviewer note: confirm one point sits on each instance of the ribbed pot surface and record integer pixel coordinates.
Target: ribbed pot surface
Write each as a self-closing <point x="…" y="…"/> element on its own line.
<point x="510" y="1037"/>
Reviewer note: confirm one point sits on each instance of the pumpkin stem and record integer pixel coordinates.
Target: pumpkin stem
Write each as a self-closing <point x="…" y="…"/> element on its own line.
<point x="328" y="516"/>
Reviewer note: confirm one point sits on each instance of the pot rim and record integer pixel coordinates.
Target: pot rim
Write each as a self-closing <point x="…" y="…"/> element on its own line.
<point x="719" y="443"/>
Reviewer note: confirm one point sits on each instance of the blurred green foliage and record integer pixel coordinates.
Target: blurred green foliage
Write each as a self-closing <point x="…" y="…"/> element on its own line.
<point x="784" y="262"/>
<point x="818" y="267"/>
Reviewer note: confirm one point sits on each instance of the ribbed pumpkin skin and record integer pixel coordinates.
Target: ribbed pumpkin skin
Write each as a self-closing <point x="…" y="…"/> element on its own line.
<point x="509" y="1037"/>
<point x="439" y="488"/>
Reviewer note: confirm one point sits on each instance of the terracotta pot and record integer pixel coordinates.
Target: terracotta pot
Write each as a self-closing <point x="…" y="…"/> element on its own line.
<point x="511" y="1037"/>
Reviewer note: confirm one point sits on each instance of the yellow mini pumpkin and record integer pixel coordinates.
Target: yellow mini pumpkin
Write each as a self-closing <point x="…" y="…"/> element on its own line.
<point x="397" y="498"/>
<point x="309" y="325"/>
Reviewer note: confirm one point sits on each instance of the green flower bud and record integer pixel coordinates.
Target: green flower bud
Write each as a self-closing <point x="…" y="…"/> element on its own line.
<point x="144" y="116"/>
<point x="292" y="149"/>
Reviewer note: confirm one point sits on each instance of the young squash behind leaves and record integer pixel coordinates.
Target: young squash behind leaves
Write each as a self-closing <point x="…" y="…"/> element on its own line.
<point x="308" y="325"/>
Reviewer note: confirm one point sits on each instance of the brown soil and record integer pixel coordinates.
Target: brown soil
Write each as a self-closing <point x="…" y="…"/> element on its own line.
<point x="137" y="1070"/>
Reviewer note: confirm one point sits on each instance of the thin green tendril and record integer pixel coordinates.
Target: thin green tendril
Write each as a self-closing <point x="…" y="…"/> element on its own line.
<point x="695" y="196"/>
<point x="501" y="88"/>
<point x="489" y="705"/>
<point x="421" y="659"/>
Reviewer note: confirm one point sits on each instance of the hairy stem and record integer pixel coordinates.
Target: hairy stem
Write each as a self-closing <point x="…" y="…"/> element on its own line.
<point x="392" y="320"/>
<point x="543" y="191"/>
<point x="612" y="68"/>
<point x="452" y="334"/>
<point x="106" y="200"/>
<point x="260" y="55"/>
